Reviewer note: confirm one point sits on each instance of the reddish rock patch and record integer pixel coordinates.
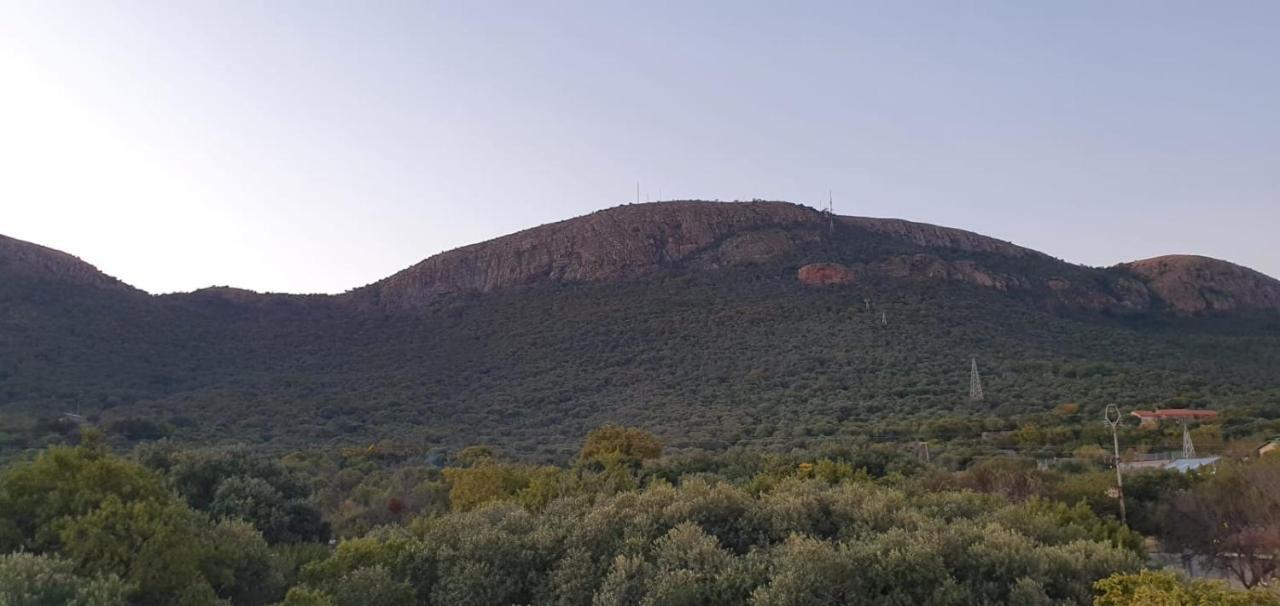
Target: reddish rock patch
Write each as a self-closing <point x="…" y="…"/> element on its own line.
<point x="822" y="274"/>
<point x="1191" y="284"/>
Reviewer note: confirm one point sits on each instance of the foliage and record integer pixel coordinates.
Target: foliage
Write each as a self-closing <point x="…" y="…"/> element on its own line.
<point x="615" y="444"/>
<point x="110" y="517"/>
<point x="233" y="483"/>
<point x="1166" y="588"/>
<point x="710" y="543"/>
<point x="1233" y="517"/>
<point x="40" y="580"/>
<point x="705" y="359"/>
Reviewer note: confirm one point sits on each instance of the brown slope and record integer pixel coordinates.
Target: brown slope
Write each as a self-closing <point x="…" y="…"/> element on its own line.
<point x="636" y="239"/>
<point x="1191" y="284"/>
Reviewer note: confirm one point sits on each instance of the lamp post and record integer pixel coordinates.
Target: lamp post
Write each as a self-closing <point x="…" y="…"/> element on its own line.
<point x="1112" y="417"/>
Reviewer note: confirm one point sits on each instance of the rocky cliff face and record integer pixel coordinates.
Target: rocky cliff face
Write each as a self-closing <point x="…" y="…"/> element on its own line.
<point x="19" y="258"/>
<point x="637" y="239"/>
<point x="633" y="240"/>
<point x="619" y="242"/>
<point x="1189" y="284"/>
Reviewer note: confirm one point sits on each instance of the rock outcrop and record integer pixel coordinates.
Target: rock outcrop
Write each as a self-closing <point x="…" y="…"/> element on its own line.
<point x="824" y="274"/>
<point x="930" y="266"/>
<point x="1190" y="284"/>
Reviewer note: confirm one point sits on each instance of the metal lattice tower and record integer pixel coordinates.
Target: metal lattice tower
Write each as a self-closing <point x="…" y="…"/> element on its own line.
<point x="830" y="212"/>
<point x="1188" y="449"/>
<point x="975" y="383"/>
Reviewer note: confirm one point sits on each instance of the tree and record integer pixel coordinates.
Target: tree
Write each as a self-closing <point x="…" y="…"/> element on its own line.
<point x="628" y="445"/>
<point x="27" y="579"/>
<point x="470" y="487"/>
<point x="1233" y="518"/>
<point x="63" y="483"/>
<point x="1166" y="588"/>
<point x="108" y="516"/>
<point x="237" y="484"/>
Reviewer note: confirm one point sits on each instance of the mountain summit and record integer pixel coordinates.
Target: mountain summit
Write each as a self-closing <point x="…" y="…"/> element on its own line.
<point x="641" y="239"/>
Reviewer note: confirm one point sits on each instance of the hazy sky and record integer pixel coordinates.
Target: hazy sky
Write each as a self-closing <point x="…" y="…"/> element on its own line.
<point x="318" y="146"/>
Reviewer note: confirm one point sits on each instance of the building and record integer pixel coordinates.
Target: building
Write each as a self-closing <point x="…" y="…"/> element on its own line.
<point x="1183" y="465"/>
<point x="1150" y="418"/>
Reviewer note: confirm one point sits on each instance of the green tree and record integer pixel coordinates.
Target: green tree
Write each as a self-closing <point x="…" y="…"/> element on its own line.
<point x="37" y="497"/>
<point x="1167" y="588"/>
<point x="628" y="445"/>
<point x="28" y="579"/>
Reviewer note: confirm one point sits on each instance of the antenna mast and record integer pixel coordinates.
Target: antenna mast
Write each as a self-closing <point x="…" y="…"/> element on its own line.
<point x="831" y="213"/>
<point x="975" y="383"/>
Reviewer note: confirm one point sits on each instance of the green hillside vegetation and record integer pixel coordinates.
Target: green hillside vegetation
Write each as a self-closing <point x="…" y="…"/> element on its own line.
<point x="739" y="356"/>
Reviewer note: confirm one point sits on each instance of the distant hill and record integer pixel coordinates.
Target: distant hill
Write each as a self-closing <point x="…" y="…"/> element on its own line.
<point x="714" y="324"/>
<point x="641" y="239"/>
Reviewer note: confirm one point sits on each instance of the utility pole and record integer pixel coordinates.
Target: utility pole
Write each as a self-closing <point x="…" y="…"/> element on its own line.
<point x="1112" y="417"/>
<point x="975" y="383"/>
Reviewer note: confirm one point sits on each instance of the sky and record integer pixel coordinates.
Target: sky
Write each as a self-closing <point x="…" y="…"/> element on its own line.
<point x="318" y="146"/>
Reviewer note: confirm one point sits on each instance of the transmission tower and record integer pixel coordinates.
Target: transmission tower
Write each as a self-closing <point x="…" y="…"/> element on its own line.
<point x="975" y="383"/>
<point x="1188" y="449"/>
<point x="831" y="213"/>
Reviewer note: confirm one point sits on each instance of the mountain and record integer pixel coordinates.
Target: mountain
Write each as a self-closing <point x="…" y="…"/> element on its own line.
<point x="715" y="324"/>
<point x="1194" y="284"/>
<point x="633" y="240"/>
<point x="20" y="260"/>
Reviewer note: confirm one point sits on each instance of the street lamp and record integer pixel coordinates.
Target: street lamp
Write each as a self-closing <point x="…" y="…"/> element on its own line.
<point x="1112" y="417"/>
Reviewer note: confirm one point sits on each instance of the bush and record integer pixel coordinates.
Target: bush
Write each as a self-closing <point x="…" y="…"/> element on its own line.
<point x="39" y="580"/>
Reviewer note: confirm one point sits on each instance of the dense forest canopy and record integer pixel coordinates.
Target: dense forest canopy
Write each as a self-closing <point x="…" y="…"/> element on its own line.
<point x="620" y="524"/>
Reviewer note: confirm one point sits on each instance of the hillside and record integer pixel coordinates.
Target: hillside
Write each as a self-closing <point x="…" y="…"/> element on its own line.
<point x="713" y="324"/>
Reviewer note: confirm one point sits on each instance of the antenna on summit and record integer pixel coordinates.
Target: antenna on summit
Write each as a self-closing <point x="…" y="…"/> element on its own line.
<point x="830" y="212"/>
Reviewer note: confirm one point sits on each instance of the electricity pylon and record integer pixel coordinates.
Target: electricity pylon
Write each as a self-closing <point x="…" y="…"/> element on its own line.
<point x="975" y="383"/>
<point x="1188" y="449"/>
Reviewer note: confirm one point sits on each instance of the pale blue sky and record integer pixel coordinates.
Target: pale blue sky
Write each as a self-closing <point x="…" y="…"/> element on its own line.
<point x="318" y="146"/>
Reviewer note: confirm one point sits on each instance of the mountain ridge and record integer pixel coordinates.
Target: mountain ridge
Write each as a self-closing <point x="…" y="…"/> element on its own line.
<point x="776" y="324"/>
<point x="638" y="239"/>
